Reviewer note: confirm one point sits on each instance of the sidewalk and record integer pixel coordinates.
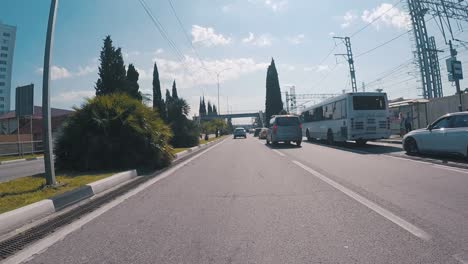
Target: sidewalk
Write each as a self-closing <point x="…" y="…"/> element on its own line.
<point x="394" y="139"/>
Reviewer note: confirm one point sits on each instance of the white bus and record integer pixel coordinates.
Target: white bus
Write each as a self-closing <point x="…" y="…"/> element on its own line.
<point x="352" y="116"/>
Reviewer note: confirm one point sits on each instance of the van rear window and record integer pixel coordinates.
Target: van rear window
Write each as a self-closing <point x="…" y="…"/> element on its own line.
<point x="287" y="121"/>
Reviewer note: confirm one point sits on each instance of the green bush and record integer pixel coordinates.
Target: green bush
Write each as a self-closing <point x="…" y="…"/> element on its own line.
<point x="186" y="132"/>
<point x="113" y="132"/>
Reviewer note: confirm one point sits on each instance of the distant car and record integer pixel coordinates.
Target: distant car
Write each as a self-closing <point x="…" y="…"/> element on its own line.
<point x="285" y="128"/>
<point x="240" y="132"/>
<point x="447" y="135"/>
<point x="257" y="132"/>
<point x="263" y="133"/>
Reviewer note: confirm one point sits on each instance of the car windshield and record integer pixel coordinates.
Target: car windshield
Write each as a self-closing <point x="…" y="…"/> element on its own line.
<point x="369" y="103"/>
<point x="234" y="131"/>
<point x="287" y="121"/>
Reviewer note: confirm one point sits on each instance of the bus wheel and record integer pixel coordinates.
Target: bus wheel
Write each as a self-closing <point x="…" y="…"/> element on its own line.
<point x="330" y="139"/>
<point x="361" y="142"/>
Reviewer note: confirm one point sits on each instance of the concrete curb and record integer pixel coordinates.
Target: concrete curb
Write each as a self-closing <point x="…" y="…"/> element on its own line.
<point x="23" y="215"/>
<point x="109" y="182"/>
<point x="185" y="152"/>
<point x="18" y="160"/>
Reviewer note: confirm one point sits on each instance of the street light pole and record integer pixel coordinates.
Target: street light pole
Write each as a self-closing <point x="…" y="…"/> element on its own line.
<point x="217" y="78"/>
<point x="46" y="116"/>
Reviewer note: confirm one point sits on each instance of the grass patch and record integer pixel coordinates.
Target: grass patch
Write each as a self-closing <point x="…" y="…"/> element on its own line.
<point x="13" y="157"/>
<point x="27" y="190"/>
<point x="177" y="150"/>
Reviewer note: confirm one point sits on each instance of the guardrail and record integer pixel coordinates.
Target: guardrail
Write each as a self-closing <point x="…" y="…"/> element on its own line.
<point x="21" y="148"/>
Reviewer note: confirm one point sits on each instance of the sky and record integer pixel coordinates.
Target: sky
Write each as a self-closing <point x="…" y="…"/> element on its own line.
<point x="236" y="39"/>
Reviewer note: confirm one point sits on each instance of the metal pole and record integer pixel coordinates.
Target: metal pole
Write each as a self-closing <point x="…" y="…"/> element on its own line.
<point x="457" y="85"/>
<point x="32" y="138"/>
<point x="46" y="117"/>
<point x="217" y="77"/>
<point x="18" y="136"/>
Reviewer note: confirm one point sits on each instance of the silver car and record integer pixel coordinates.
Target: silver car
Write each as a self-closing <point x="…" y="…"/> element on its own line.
<point x="447" y="135"/>
<point x="284" y="128"/>
<point x="240" y="132"/>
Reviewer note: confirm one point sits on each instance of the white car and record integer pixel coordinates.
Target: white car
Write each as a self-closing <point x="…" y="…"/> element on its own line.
<point x="447" y="135"/>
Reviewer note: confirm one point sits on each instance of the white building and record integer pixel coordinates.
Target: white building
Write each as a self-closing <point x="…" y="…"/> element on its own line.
<point x="7" y="47"/>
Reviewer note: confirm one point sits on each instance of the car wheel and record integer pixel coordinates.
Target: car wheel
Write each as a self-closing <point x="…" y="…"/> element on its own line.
<point x="330" y="139"/>
<point x="411" y="147"/>
<point x="298" y="143"/>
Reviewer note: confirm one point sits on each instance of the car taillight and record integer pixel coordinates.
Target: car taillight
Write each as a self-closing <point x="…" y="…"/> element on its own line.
<point x="275" y="127"/>
<point x="388" y="122"/>
<point x="300" y="126"/>
<point x="352" y="123"/>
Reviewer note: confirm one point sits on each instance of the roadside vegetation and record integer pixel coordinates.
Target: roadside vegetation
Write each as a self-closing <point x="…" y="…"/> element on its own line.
<point x="27" y="190"/>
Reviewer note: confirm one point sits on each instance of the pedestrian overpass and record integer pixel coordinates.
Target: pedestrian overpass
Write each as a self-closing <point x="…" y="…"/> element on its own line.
<point x="258" y="115"/>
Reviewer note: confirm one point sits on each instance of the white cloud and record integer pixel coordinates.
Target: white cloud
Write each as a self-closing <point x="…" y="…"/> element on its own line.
<point x="260" y="41"/>
<point x="206" y="36"/>
<point x="72" y="96"/>
<point x="389" y="15"/>
<point x="308" y="69"/>
<point x="195" y="75"/>
<point x="298" y="39"/>
<point x="348" y="18"/>
<point x="56" y="72"/>
<point x="274" y="5"/>
<point x="226" y="8"/>
<point x="331" y="34"/>
<point x="158" y="51"/>
<point x="86" y="70"/>
<point x="321" y="68"/>
<point x="144" y="75"/>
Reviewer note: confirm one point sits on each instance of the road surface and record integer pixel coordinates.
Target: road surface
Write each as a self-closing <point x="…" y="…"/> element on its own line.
<point x="15" y="170"/>
<point x="245" y="202"/>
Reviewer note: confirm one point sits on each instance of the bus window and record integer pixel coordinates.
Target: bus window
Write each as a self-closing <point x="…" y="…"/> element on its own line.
<point x="369" y="103"/>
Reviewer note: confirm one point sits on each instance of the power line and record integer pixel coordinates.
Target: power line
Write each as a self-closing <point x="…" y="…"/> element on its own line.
<point x="186" y="34"/>
<point x="383" y="44"/>
<point x="377" y="18"/>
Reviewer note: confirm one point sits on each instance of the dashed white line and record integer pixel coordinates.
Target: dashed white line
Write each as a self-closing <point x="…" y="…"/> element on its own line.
<point x="278" y="152"/>
<point x="416" y="231"/>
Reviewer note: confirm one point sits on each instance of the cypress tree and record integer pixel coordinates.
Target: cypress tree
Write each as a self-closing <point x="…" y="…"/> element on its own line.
<point x="132" y="87"/>
<point x="174" y="91"/>
<point x="210" y="109"/>
<point x="104" y="82"/>
<point x="158" y="102"/>
<point x="215" y="111"/>
<point x="200" y="111"/>
<point x="203" y="106"/>
<point x="273" y="101"/>
<point x="119" y="73"/>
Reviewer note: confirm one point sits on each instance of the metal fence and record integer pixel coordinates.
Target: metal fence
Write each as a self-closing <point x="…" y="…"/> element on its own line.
<point x="20" y="148"/>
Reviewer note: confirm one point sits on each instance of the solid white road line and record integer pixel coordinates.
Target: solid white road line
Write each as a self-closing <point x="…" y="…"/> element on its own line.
<point x="371" y="205"/>
<point x="60" y="234"/>
<point x="444" y="167"/>
<point x="461" y="257"/>
<point x="278" y="152"/>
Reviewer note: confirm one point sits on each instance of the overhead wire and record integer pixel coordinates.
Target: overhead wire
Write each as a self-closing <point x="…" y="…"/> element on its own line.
<point x="377" y="18"/>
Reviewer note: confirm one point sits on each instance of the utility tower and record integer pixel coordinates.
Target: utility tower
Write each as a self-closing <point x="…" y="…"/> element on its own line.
<point x="425" y="48"/>
<point x="349" y="56"/>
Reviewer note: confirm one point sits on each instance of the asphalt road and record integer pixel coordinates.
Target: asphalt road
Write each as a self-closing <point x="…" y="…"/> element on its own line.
<point x="20" y="169"/>
<point x="245" y="202"/>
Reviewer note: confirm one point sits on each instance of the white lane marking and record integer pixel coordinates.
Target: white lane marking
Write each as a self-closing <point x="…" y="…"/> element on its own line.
<point x="461" y="257"/>
<point x="42" y="245"/>
<point x="278" y="152"/>
<point x="416" y="231"/>
<point x="450" y="168"/>
<point x="407" y="159"/>
<point x="444" y="167"/>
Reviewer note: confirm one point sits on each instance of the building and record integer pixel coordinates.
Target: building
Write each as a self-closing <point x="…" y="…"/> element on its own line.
<point x="7" y="47"/>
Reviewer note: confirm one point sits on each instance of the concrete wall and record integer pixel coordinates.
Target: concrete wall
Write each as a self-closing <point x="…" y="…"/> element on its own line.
<point x="440" y="106"/>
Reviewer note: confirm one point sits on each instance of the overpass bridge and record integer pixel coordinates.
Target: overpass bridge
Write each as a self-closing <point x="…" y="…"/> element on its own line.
<point x="258" y="115"/>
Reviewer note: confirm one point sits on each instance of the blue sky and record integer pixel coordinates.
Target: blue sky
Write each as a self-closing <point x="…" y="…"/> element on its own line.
<point x="242" y="35"/>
